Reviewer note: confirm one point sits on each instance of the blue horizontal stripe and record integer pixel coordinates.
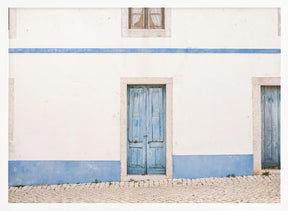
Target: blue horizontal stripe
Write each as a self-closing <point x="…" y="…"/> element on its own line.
<point x="144" y="50"/>
<point x="38" y="172"/>
<point x="200" y="166"/>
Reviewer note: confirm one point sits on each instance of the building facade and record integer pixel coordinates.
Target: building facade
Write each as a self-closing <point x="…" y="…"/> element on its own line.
<point x="115" y="94"/>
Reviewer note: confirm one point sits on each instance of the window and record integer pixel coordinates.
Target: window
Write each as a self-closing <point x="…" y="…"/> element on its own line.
<point x="146" y="22"/>
<point x="146" y="18"/>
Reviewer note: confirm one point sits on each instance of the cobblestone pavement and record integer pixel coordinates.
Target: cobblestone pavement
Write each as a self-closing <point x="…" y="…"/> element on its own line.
<point x="242" y="189"/>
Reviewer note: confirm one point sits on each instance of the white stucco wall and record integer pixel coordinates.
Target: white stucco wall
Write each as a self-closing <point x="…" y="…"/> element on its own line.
<point x="67" y="106"/>
<point x="190" y="28"/>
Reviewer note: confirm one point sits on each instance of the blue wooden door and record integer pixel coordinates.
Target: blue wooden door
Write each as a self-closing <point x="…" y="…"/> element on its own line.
<point x="137" y="130"/>
<point x="270" y="123"/>
<point x="146" y="130"/>
<point x="156" y="136"/>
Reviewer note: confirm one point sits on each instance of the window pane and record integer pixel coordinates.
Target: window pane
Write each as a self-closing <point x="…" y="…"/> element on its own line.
<point x="137" y="18"/>
<point x="155" y="10"/>
<point x="156" y="18"/>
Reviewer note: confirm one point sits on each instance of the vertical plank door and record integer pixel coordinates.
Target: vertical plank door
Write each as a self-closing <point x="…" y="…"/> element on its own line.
<point x="270" y="126"/>
<point x="137" y="127"/>
<point x="146" y="130"/>
<point x="156" y="158"/>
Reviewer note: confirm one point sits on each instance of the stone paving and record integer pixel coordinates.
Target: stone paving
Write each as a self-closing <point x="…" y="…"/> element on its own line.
<point x="240" y="189"/>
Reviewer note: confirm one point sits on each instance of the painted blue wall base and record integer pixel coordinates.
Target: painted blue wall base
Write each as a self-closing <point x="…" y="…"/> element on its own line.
<point x="200" y="166"/>
<point x="61" y="172"/>
<point x="184" y="166"/>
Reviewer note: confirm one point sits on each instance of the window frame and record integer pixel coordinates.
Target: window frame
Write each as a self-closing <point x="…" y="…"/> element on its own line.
<point x="146" y="21"/>
<point x="150" y="32"/>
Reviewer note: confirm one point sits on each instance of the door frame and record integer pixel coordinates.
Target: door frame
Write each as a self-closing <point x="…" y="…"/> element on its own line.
<point x="257" y="82"/>
<point x="169" y="122"/>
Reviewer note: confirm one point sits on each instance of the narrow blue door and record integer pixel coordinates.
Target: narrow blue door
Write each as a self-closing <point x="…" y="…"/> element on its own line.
<point x="270" y="114"/>
<point x="146" y="130"/>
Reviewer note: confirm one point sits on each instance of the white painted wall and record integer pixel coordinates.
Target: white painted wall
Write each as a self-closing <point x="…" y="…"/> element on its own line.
<point x="67" y="106"/>
<point x="190" y="28"/>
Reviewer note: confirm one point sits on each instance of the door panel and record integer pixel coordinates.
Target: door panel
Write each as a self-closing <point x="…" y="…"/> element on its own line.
<point x="137" y="127"/>
<point x="270" y="114"/>
<point x="146" y="130"/>
<point x="156" y="140"/>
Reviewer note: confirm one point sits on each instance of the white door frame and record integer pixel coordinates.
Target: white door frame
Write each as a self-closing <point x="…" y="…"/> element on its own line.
<point x="169" y="125"/>
<point x="257" y="82"/>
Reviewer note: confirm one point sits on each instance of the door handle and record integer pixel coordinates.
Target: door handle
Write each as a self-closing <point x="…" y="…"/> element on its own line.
<point x="145" y="136"/>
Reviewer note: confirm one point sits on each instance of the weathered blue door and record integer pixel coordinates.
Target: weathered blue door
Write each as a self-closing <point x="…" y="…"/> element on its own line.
<point x="146" y="130"/>
<point x="270" y="114"/>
